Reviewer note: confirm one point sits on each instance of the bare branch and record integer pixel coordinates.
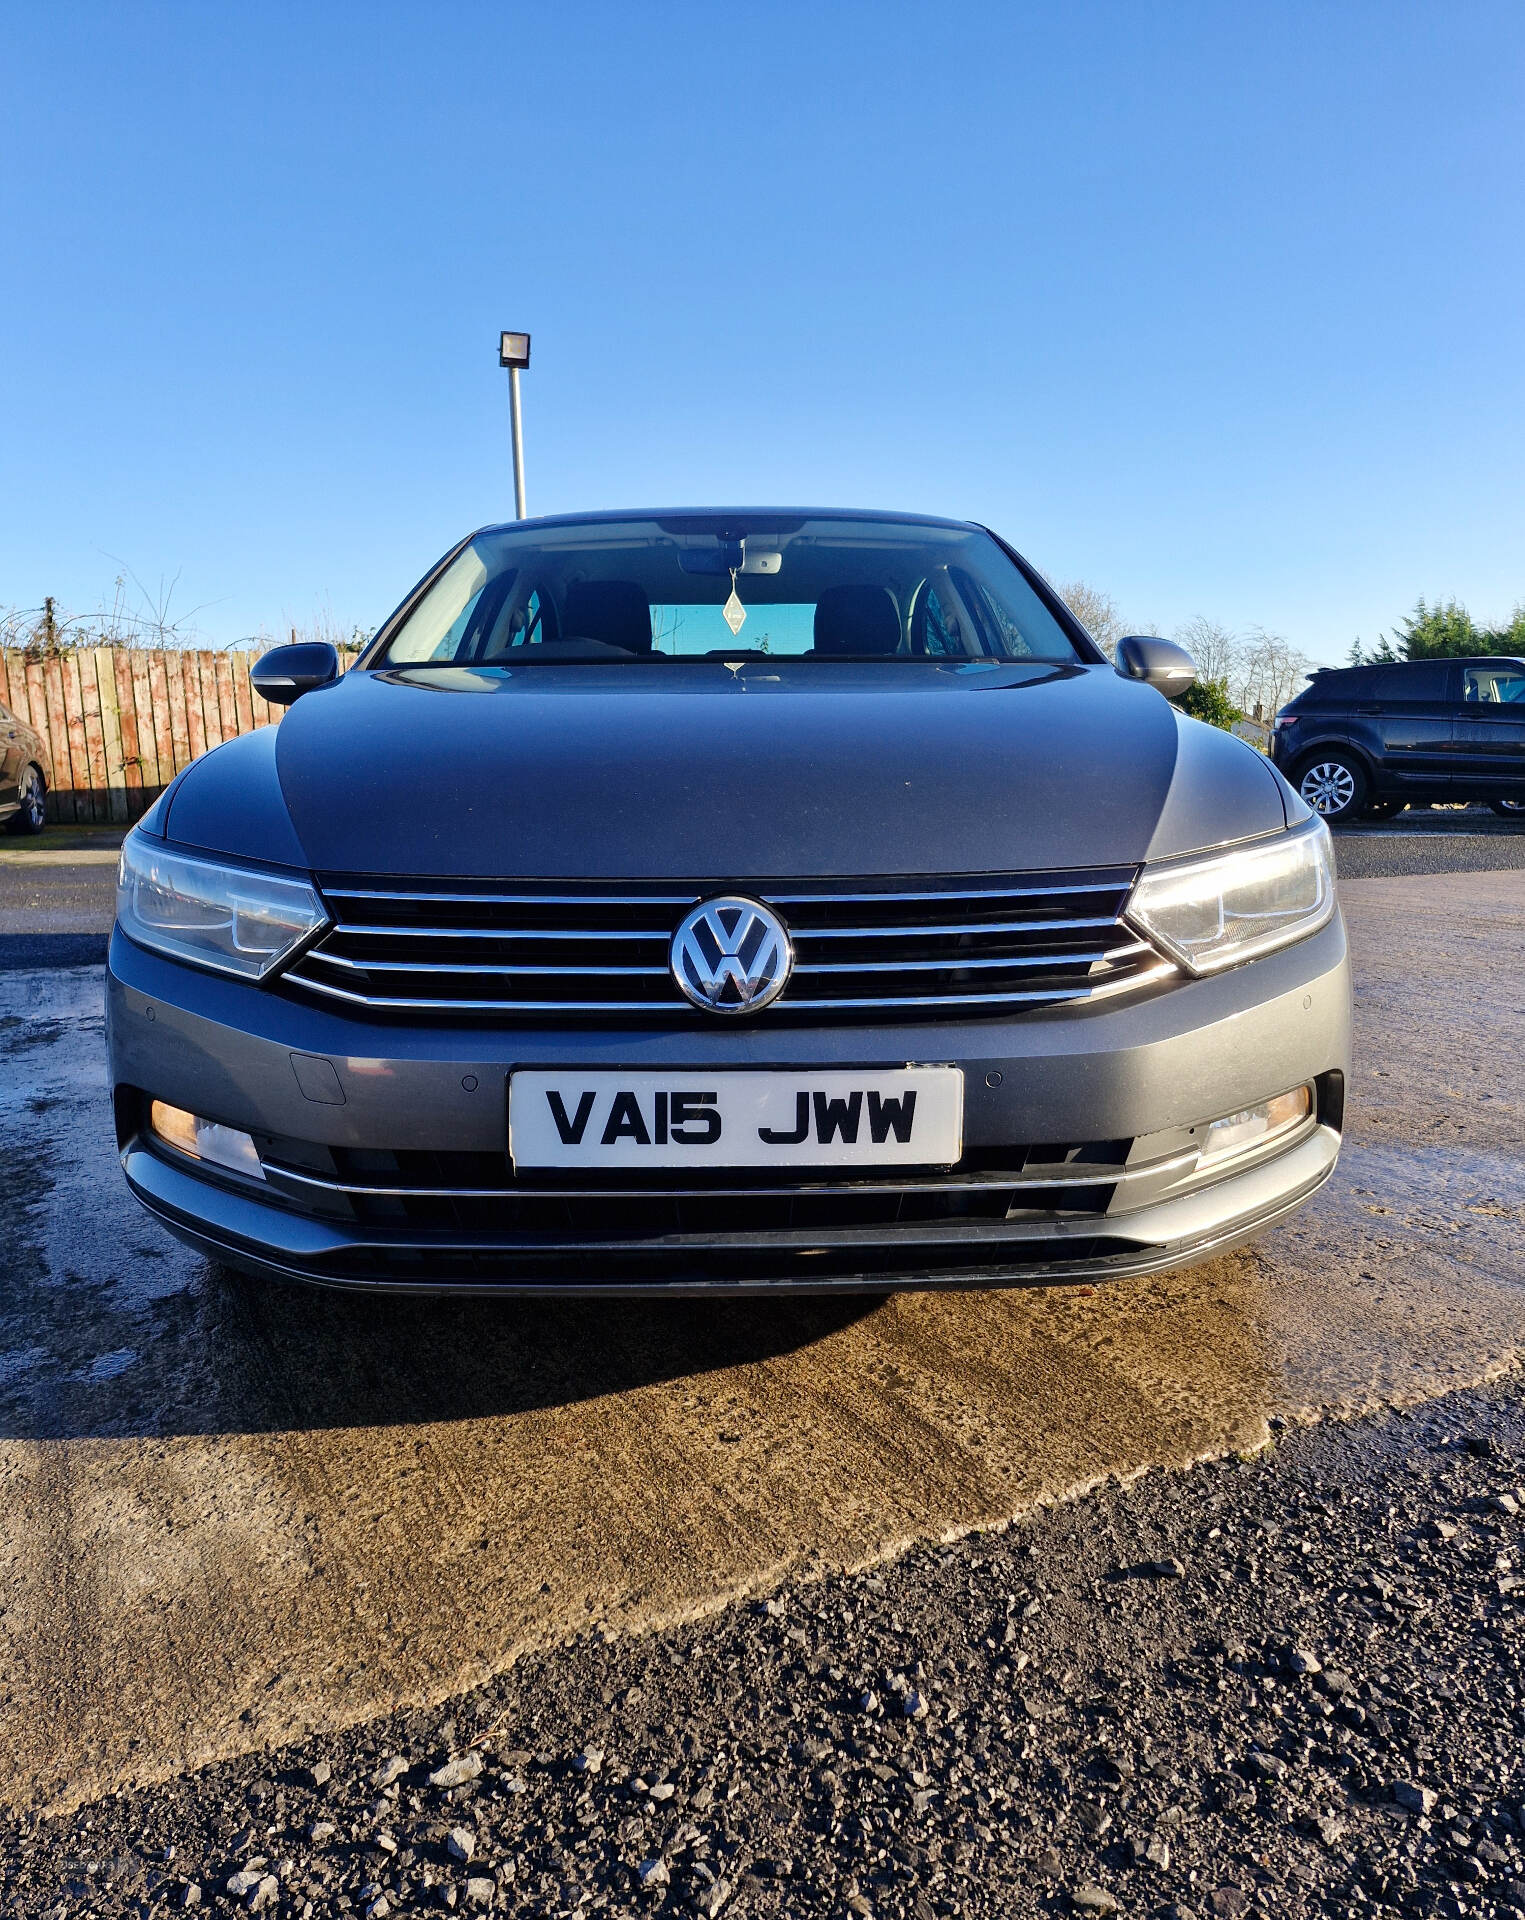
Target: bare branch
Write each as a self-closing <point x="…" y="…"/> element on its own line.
<point x="1215" y="648"/>
<point x="1096" y="612"/>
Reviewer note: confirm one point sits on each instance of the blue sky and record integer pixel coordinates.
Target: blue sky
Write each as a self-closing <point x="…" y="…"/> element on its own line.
<point x="1216" y="306"/>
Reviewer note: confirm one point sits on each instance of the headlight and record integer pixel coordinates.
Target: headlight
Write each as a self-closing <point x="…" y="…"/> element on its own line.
<point x="1210" y="914"/>
<point x="231" y="918"/>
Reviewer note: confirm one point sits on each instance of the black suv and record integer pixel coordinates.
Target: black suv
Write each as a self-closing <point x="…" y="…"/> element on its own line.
<point x="1368" y="740"/>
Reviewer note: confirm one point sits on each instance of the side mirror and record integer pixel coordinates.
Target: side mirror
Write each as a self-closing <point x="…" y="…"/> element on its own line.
<point x="1159" y="663"/>
<point x="287" y="672"/>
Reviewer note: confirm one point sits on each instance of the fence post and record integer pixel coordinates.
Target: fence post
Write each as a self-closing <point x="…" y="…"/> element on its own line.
<point x="113" y="768"/>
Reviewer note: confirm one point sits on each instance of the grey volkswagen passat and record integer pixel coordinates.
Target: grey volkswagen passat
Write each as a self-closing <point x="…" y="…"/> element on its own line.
<point x="727" y="900"/>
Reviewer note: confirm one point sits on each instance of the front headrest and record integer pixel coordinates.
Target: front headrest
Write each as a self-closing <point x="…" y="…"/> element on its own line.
<point x="856" y="620"/>
<point x="614" y="611"/>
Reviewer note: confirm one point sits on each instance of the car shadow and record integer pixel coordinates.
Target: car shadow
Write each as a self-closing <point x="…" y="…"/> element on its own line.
<point x="349" y="1359"/>
<point x="23" y="952"/>
<point x="188" y="1347"/>
<point x="109" y="1328"/>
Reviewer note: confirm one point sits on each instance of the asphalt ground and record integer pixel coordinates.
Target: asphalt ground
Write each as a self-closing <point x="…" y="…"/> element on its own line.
<point x="57" y="897"/>
<point x="239" y="1516"/>
<point x="1431" y="840"/>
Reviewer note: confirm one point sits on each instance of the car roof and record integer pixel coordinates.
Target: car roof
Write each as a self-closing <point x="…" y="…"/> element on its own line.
<point x="1435" y="660"/>
<point x="724" y="514"/>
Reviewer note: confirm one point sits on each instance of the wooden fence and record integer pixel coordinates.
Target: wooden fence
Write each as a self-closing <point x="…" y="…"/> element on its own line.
<point x="120" y="722"/>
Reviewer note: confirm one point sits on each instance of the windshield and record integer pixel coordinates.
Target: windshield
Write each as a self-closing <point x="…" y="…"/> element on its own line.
<point x="727" y="588"/>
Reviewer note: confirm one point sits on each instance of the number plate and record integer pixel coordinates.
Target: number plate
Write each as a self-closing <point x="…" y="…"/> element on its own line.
<point x="905" y="1116"/>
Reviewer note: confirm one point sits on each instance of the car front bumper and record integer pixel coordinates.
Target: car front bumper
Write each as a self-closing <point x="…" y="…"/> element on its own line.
<point x="1080" y="1132"/>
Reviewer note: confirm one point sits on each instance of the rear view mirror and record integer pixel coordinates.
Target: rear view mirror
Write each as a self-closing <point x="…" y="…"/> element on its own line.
<point x="287" y="672"/>
<point x="747" y="553"/>
<point x="717" y="557"/>
<point x="1159" y="663"/>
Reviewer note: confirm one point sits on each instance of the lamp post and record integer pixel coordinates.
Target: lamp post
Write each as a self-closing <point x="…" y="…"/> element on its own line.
<point x="514" y="353"/>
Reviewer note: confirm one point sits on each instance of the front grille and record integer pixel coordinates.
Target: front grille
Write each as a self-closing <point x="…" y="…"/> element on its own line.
<point x="489" y="950"/>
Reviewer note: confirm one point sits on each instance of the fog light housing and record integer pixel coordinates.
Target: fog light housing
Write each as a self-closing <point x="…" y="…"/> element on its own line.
<point x="205" y="1139"/>
<point x="1252" y="1126"/>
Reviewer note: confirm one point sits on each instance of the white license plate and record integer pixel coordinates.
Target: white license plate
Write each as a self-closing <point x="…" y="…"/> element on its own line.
<point x="904" y="1116"/>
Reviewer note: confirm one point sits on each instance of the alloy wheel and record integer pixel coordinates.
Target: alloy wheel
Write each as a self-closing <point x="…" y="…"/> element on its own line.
<point x="33" y="800"/>
<point x="1329" y="787"/>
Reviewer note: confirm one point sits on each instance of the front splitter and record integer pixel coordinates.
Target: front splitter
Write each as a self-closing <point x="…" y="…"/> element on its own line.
<point x="266" y="1240"/>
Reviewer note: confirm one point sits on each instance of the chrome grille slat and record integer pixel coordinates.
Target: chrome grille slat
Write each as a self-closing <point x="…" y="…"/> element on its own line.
<point x="485" y="966"/>
<point x="513" y="951"/>
<point x="517" y="933"/>
<point x="965" y="961"/>
<point x="1040" y="996"/>
<point x="936" y="931"/>
<point x="1064" y="1174"/>
<point x="415" y="1003"/>
<point x="827" y="892"/>
<point x="940" y="893"/>
<point x="515" y="899"/>
<point x="947" y="929"/>
<point x="1044" y="996"/>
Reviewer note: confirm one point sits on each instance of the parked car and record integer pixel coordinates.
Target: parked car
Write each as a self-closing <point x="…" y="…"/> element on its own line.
<point x="1373" y="739"/>
<point x="739" y="900"/>
<point x="25" y="775"/>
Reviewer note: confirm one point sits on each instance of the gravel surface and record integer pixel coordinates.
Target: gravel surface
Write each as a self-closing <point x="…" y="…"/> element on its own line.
<point x="1280" y="1686"/>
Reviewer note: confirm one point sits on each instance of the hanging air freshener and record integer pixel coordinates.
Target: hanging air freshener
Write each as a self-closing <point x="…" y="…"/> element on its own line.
<point x="733" y="612"/>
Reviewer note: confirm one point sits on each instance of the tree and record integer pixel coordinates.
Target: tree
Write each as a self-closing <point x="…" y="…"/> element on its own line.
<point x="1259" y="672"/>
<point x="1255" y="672"/>
<point x="1209" y="700"/>
<point x="1213" y="646"/>
<point x="1439" y="633"/>
<point x="1270" y="671"/>
<point x="1445" y="631"/>
<point x="1096" y="612"/>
